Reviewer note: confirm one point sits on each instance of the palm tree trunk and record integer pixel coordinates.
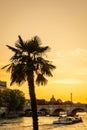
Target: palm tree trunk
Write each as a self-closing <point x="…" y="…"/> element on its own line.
<point x="33" y="101"/>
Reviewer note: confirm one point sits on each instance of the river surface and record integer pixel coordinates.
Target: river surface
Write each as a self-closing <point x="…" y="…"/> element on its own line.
<point x="45" y="123"/>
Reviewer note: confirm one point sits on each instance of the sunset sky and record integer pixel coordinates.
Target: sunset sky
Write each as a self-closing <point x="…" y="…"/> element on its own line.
<point x="60" y="24"/>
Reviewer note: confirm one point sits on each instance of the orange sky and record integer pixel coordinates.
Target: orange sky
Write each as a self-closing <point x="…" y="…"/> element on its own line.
<point x="62" y="25"/>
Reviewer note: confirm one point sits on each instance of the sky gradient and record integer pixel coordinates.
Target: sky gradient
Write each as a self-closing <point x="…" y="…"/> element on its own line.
<point x="60" y="24"/>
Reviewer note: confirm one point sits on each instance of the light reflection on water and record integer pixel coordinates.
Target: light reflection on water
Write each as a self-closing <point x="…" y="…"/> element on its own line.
<point x="45" y="123"/>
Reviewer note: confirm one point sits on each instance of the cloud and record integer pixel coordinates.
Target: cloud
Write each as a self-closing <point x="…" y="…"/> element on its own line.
<point x="74" y="61"/>
<point x="68" y="81"/>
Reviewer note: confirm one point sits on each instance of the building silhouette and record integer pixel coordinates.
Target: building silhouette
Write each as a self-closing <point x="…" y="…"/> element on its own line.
<point x="3" y="85"/>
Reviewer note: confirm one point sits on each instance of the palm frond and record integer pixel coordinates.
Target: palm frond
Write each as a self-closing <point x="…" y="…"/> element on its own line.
<point x="20" y="44"/>
<point x="37" y="40"/>
<point x="21" y="41"/>
<point x="45" y="66"/>
<point x="9" y="68"/>
<point x="5" y="66"/>
<point x="12" y="48"/>
<point x="47" y="69"/>
<point x="18" y="74"/>
<point x="41" y="80"/>
<point x="43" y="49"/>
<point x="16" y="57"/>
<point x="32" y="46"/>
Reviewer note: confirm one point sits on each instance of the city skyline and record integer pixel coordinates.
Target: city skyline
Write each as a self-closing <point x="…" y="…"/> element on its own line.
<point x="61" y="25"/>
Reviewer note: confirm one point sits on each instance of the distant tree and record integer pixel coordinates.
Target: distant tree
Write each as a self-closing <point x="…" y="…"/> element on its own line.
<point x="14" y="99"/>
<point x="68" y="102"/>
<point x="6" y="97"/>
<point x="21" y="99"/>
<point x="59" y="101"/>
<point x="1" y="98"/>
<point x="28" y="60"/>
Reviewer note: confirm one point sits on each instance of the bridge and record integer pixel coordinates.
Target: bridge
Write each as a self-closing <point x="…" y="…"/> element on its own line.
<point x="70" y="109"/>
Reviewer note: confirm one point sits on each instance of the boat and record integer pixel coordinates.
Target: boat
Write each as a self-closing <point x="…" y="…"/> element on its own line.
<point x="64" y="120"/>
<point x="77" y="119"/>
<point x="68" y="120"/>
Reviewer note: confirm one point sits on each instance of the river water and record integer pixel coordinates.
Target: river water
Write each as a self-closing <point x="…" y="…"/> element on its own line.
<point x="45" y="123"/>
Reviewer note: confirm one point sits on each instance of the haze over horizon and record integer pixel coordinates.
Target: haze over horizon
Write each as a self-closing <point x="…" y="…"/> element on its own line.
<point x="61" y="25"/>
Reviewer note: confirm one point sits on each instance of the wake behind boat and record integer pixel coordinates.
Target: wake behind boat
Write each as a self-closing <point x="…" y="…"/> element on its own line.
<point x="67" y="120"/>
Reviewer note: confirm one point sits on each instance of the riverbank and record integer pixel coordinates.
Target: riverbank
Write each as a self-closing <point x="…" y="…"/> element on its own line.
<point x="12" y="115"/>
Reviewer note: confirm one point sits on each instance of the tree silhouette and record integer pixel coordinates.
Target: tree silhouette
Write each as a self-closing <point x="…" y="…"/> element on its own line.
<point x="28" y="64"/>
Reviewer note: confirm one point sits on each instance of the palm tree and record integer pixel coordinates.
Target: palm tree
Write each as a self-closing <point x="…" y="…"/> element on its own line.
<point x="28" y="61"/>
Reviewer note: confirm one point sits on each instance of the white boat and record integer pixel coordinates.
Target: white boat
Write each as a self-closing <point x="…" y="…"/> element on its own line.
<point x="64" y="120"/>
<point x="77" y="119"/>
<point x="67" y="120"/>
